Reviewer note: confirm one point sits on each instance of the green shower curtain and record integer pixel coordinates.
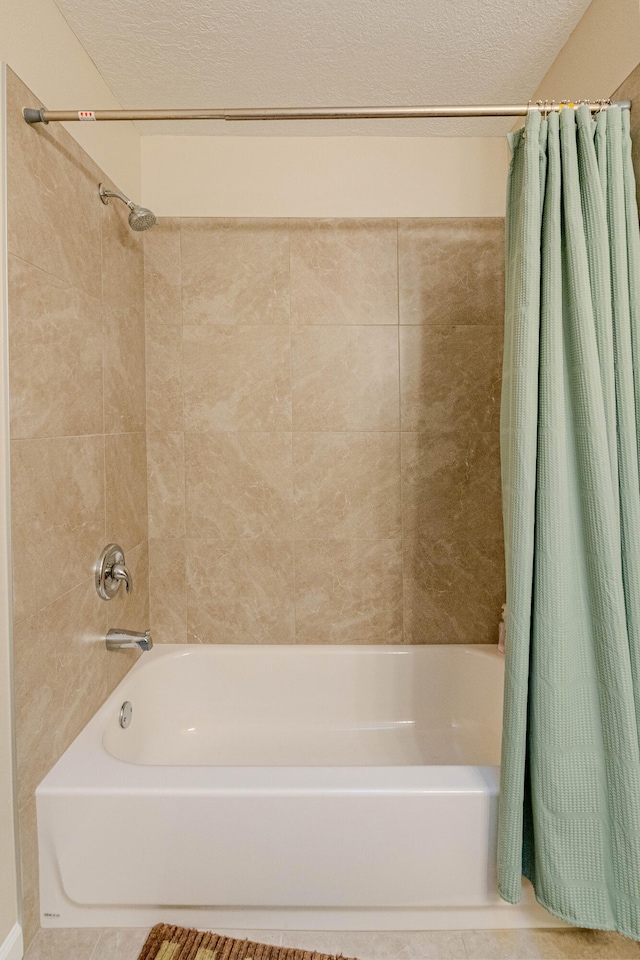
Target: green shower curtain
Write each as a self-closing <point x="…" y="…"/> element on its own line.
<point x="569" y="810"/>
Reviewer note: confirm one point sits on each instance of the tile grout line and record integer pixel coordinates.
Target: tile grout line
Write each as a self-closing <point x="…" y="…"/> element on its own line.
<point x="402" y="585"/>
<point x="60" y="280"/>
<point x="146" y="416"/>
<point x="80" y="436"/>
<point x="185" y="626"/>
<point x="293" y="510"/>
<point x="104" y="378"/>
<point x="94" y="955"/>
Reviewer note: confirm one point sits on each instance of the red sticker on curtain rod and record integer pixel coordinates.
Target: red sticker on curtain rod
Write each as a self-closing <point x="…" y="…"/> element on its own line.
<point x="86" y="115"/>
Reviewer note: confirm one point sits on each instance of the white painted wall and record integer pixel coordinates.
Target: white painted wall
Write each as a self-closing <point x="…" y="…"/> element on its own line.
<point x="324" y="176"/>
<point x="38" y="44"/>
<point x="9" y="929"/>
<point x="375" y="176"/>
<point x="600" y="53"/>
<point x="302" y="176"/>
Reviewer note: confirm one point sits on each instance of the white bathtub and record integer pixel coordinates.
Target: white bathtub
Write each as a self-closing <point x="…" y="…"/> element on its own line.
<point x="282" y="786"/>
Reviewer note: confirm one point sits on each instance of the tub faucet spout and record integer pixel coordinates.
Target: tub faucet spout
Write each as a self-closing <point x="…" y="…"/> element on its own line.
<point x="118" y="639"/>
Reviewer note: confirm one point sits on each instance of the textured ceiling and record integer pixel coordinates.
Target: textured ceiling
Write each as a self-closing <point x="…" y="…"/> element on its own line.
<point x="244" y="53"/>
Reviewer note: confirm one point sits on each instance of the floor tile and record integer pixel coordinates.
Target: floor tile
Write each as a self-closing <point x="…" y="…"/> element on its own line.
<point x="272" y="937"/>
<point x="381" y="945"/>
<point x="548" y="945"/>
<point x="76" y="943"/>
<point x="120" y="943"/>
<point x="126" y="943"/>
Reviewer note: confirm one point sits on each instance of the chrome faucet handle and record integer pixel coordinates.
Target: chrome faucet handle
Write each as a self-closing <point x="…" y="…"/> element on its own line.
<point x="111" y="571"/>
<point x="120" y="572"/>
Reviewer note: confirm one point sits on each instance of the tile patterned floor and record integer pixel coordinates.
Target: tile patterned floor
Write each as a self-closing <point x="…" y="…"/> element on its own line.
<point x="125" y="944"/>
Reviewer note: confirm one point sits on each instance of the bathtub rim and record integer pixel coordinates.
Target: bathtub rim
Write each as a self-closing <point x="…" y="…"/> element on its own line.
<point x="86" y="765"/>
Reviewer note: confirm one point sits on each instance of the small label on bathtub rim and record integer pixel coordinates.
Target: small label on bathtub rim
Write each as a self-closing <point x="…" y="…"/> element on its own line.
<point x="55" y="916"/>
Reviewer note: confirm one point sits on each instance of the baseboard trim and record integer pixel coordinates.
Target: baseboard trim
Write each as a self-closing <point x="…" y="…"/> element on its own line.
<point x="12" y="948"/>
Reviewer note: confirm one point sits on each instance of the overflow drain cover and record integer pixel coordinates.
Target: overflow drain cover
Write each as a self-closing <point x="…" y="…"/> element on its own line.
<point x="126" y="711"/>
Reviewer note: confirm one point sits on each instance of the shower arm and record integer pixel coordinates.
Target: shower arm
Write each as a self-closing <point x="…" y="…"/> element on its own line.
<point x="106" y="195"/>
<point x="32" y="115"/>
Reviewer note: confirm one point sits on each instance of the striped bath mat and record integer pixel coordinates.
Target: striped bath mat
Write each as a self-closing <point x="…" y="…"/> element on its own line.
<point x="178" y="943"/>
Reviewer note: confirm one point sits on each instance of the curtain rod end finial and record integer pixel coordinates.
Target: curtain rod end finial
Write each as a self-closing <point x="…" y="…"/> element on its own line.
<point x="31" y="115"/>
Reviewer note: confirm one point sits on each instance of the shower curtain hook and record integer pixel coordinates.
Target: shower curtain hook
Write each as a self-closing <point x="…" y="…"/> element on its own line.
<point x="543" y="107"/>
<point x="530" y="109"/>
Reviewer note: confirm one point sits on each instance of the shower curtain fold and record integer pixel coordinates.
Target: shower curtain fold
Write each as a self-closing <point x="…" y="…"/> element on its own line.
<point x="569" y="811"/>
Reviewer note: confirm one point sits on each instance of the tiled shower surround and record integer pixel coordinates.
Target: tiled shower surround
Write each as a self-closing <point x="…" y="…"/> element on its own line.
<point x="318" y="439"/>
<point x="322" y="430"/>
<point x="78" y="454"/>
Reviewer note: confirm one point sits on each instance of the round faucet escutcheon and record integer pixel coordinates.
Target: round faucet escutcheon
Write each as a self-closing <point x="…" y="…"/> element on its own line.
<point x="111" y="570"/>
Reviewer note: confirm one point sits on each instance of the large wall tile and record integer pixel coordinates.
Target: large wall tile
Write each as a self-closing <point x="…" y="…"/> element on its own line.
<point x="348" y="591"/>
<point x="123" y="322"/>
<point x="235" y="271"/>
<point x="168" y="590"/>
<point x="240" y="591"/>
<point x="126" y="478"/>
<point x="76" y="305"/>
<point x="122" y="260"/>
<point x="236" y="378"/>
<point x="60" y="653"/>
<point x="347" y="485"/>
<point x="238" y="485"/>
<point x="451" y="485"/>
<point x="453" y="590"/>
<point x="52" y="196"/>
<point x="164" y="378"/>
<point x="162" y="273"/>
<point x="165" y="471"/>
<point x="58" y="517"/>
<point x="345" y="378"/>
<point x="29" y="886"/>
<point x="55" y="346"/>
<point x="130" y="610"/>
<point x="450" y="378"/>
<point x="451" y="271"/>
<point x="344" y="271"/>
<point x="124" y="370"/>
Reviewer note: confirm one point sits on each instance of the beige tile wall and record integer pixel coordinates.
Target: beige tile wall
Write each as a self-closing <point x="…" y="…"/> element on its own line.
<point x="320" y="446"/>
<point x="322" y="427"/>
<point x="630" y="90"/>
<point x="78" y="452"/>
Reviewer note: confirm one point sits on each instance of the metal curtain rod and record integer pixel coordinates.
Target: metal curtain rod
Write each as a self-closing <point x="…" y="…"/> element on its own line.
<point x="314" y="113"/>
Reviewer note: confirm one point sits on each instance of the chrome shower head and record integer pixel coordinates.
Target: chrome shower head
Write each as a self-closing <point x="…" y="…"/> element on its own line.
<point x="139" y="218"/>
